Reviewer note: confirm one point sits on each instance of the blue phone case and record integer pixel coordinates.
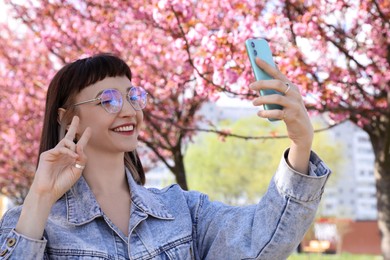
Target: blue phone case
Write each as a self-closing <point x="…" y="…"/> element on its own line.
<point x="260" y="48"/>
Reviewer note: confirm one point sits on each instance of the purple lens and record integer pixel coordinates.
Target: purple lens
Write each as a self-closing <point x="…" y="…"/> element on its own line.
<point x="137" y="97"/>
<point x="111" y="100"/>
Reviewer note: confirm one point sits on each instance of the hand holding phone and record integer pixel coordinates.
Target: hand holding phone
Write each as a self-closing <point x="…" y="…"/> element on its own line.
<point x="260" y="48"/>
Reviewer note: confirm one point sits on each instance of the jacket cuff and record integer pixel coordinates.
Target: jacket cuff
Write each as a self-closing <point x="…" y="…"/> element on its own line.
<point x="16" y="246"/>
<point x="300" y="186"/>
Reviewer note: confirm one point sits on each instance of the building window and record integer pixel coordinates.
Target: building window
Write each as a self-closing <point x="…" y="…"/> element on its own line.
<point x="362" y="139"/>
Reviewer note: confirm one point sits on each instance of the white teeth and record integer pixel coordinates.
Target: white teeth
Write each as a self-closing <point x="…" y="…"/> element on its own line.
<point x="124" y="128"/>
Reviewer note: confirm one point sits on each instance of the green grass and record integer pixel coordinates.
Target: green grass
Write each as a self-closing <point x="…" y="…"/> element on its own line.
<point x="333" y="257"/>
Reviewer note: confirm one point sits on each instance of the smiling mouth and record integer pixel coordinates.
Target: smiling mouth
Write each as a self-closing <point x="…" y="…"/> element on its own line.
<point x="127" y="128"/>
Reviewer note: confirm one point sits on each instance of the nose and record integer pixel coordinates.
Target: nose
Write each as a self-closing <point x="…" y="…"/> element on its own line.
<point x="127" y="109"/>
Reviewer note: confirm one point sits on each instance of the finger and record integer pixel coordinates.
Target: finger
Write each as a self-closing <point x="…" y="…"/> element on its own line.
<point x="70" y="135"/>
<point x="84" y="138"/>
<point x="82" y="160"/>
<point x="68" y="144"/>
<point x="81" y="144"/>
<point x="271" y="84"/>
<point x="62" y="151"/>
<point x="274" y="114"/>
<point x="273" y="72"/>
<point x="78" y="166"/>
<point x="271" y="99"/>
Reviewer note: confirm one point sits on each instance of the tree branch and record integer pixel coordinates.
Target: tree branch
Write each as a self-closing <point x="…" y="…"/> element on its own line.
<point x="222" y="88"/>
<point x="245" y="137"/>
<point x="152" y="147"/>
<point x="385" y="20"/>
<point x="340" y="33"/>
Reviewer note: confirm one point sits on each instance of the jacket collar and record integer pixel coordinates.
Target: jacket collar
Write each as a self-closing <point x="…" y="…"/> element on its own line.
<point x="82" y="206"/>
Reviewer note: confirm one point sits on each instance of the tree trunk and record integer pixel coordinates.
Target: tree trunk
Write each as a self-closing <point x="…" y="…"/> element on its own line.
<point x="179" y="170"/>
<point x="382" y="173"/>
<point x="381" y="145"/>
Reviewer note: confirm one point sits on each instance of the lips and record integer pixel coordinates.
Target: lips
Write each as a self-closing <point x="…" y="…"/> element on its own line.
<point x="124" y="128"/>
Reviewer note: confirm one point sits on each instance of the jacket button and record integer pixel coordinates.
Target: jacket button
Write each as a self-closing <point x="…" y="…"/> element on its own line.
<point x="3" y="252"/>
<point x="11" y="242"/>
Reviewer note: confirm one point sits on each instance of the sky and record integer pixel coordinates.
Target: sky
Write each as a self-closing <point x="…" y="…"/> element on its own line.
<point x="3" y="11"/>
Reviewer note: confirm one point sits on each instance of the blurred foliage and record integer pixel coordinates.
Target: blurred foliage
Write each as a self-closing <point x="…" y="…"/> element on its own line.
<point x="238" y="171"/>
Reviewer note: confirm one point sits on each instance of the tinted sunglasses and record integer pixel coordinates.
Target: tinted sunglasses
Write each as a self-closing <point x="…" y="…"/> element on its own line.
<point x="111" y="99"/>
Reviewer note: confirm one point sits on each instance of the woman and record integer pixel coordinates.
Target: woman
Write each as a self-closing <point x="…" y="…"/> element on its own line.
<point x="87" y="200"/>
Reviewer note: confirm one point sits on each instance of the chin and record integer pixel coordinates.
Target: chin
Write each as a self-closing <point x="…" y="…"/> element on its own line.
<point x="130" y="148"/>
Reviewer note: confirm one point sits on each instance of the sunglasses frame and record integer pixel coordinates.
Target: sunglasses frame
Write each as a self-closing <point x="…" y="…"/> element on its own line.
<point x="128" y="98"/>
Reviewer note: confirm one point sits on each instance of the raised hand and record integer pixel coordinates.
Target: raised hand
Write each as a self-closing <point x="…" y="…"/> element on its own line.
<point x="59" y="168"/>
<point x="294" y="113"/>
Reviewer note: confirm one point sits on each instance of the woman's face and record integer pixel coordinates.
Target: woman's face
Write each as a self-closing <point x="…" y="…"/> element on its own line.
<point x="111" y="133"/>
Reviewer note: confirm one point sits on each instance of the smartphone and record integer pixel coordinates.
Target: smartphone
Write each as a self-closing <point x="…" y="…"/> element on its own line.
<point x="260" y="48"/>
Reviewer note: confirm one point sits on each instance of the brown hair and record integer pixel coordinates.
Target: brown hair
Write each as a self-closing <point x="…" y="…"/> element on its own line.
<point x="63" y="88"/>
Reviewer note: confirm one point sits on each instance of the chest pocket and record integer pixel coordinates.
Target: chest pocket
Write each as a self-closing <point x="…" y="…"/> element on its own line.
<point x="170" y="251"/>
<point x="77" y="254"/>
<point x="182" y="252"/>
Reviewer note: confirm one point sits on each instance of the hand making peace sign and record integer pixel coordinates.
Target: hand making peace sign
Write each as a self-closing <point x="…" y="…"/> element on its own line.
<point x="59" y="168"/>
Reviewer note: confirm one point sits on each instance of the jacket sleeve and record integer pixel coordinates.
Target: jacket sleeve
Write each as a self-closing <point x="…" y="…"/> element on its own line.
<point x="272" y="229"/>
<point x="15" y="245"/>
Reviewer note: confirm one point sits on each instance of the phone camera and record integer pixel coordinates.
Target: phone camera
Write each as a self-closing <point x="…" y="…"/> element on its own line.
<point x="253" y="44"/>
<point x="255" y="52"/>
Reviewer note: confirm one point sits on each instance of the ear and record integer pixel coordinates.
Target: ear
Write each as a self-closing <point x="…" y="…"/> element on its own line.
<point x="61" y="112"/>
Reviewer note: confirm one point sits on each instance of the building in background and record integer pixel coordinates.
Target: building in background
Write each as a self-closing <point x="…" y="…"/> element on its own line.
<point x="338" y="235"/>
<point x="159" y="177"/>
<point x="353" y="194"/>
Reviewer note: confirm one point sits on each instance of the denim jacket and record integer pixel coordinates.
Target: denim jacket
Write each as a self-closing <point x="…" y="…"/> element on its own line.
<point x="175" y="224"/>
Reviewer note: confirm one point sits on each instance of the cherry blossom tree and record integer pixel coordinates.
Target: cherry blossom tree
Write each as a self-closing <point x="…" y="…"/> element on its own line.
<point x="339" y="53"/>
<point x="185" y="53"/>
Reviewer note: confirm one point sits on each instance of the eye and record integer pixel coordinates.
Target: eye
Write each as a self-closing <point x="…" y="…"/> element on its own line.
<point x="134" y="98"/>
<point x="106" y="102"/>
<point x="110" y="97"/>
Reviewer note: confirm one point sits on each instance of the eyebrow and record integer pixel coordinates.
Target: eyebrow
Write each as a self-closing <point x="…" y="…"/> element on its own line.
<point x="101" y="91"/>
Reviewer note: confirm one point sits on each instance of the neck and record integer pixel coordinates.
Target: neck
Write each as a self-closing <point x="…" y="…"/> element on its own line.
<point x="105" y="173"/>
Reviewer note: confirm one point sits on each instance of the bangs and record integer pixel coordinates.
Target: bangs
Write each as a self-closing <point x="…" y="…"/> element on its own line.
<point x="82" y="73"/>
<point x="93" y="69"/>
